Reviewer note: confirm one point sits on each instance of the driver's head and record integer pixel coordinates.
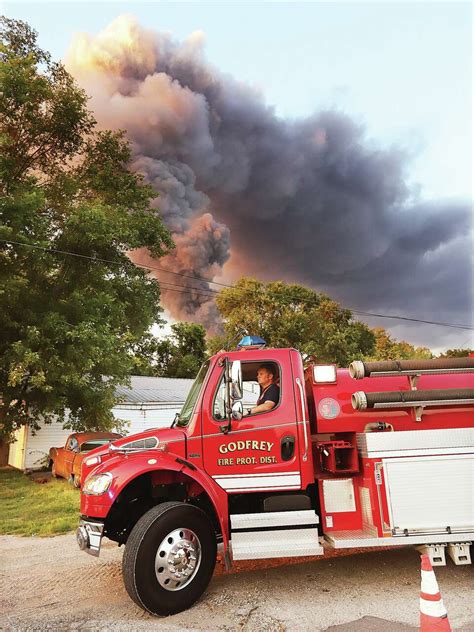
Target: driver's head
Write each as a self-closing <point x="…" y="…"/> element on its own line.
<point x="266" y="374"/>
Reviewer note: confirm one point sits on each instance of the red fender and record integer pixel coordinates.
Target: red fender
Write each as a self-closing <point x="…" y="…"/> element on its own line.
<point x="126" y="470"/>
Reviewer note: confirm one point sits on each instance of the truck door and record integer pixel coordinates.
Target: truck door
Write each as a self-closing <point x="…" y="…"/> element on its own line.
<point x="261" y="451"/>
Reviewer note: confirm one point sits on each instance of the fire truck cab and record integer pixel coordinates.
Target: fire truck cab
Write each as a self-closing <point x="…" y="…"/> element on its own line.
<point x="378" y="454"/>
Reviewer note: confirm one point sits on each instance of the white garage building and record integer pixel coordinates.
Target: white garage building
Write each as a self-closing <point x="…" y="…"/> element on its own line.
<point x="149" y="402"/>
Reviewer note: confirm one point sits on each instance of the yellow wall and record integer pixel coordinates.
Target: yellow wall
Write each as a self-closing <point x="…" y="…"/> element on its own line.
<point x="16" y="456"/>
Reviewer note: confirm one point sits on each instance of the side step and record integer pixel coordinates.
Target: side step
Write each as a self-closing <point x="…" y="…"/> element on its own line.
<point x="275" y="534"/>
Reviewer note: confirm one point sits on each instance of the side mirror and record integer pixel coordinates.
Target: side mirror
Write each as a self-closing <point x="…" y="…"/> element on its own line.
<point x="233" y="393"/>
<point x="175" y="420"/>
<point x="237" y="411"/>
<point x="236" y="381"/>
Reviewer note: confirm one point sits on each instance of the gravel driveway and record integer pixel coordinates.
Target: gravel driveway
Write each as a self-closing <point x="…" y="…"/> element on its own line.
<point x="48" y="584"/>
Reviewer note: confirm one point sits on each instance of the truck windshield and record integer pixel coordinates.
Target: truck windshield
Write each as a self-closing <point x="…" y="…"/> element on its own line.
<point x="187" y="410"/>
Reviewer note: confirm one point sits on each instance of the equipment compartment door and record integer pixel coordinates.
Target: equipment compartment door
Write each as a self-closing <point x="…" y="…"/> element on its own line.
<point x="431" y="493"/>
<point x="261" y="451"/>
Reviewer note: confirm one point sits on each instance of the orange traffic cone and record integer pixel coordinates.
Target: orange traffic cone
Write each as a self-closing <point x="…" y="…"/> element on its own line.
<point x="433" y="615"/>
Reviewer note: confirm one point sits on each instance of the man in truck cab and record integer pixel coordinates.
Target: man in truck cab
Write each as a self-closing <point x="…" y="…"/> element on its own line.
<point x="269" y="390"/>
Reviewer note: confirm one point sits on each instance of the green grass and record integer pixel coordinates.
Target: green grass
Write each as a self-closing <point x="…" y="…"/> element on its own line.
<point x="29" y="508"/>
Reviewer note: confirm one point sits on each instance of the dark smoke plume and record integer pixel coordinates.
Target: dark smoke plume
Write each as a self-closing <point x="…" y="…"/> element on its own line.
<point x="308" y="200"/>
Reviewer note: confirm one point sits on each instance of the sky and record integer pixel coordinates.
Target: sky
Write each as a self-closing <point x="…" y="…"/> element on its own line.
<point x="401" y="71"/>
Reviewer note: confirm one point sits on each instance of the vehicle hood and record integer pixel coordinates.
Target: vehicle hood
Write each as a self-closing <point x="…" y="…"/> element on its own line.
<point x="170" y="439"/>
<point x="164" y="435"/>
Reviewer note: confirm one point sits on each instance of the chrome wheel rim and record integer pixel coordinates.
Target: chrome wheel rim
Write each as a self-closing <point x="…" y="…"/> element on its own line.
<point x="177" y="559"/>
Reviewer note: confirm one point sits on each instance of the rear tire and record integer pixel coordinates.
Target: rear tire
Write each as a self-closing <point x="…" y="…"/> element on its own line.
<point x="169" y="558"/>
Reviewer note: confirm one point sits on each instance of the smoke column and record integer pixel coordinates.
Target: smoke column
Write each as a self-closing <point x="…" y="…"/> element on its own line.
<point x="309" y="200"/>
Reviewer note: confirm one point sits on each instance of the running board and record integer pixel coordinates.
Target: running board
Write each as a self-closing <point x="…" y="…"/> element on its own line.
<point x="275" y="534"/>
<point x="364" y="539"/>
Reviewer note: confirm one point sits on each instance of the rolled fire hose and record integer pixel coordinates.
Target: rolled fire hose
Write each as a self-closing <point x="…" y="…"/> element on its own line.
<point x="359" y="370"/>
<point x="362" y="400"/>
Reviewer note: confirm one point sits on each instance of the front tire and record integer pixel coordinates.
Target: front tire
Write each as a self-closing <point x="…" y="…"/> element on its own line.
<point x="169" y="558"/>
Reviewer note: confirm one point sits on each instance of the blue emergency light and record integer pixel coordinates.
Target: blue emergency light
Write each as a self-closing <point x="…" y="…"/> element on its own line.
<point x="251" y="342"/>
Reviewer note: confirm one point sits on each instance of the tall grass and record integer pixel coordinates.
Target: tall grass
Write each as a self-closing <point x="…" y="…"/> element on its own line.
<point x="29" y="508"/>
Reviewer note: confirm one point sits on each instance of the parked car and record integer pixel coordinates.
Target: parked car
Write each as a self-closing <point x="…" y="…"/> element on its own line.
<point x="66" y="462"/>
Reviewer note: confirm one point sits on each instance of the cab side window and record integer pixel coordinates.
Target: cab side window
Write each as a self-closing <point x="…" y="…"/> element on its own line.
<point x="251" y="393"/>
<point x="258" y="387"/>
<point x="268" y="379"/>
<point x="218" y="409"/>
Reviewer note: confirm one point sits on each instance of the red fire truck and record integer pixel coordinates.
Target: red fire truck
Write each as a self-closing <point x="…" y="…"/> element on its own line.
<point x="379" y="454"/>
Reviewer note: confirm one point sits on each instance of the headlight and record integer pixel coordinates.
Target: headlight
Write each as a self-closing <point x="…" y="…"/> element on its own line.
<point x="97" y="484"/>
<point x="93" y="460"/>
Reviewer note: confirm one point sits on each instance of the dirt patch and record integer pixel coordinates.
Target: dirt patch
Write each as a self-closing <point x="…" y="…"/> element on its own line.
<point x="48" y="584"/>
<point x="39" y="477"/>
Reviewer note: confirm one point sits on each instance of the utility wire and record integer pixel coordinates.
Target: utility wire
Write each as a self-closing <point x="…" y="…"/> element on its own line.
<point x="139" y="265"/>
<point x="210" y="293"/>
<point x="413" y="320"/>
<point x="186" y="289"/>
<point x="468" y="342"/>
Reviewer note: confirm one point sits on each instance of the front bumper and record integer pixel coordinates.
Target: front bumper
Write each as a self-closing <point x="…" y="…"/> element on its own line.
<point x="89" y="536"/>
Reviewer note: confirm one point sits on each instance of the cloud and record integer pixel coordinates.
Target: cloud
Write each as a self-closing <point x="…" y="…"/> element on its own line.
<point x="308" y="200"/>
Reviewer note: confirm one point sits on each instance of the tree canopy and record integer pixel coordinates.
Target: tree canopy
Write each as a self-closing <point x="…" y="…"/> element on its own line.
<point x="74" y="306"/>
<point x="457" y="353"/>
<point x="179" y="355"/>
<point x="290" y="315"/>
<point x="386" y="348"/>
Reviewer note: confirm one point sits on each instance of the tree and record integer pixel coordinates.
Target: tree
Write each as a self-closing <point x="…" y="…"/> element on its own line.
<point x="74" y="306"/>
<point x="386" y="348"/>
<point x="189" y="350"/>
<point x="457" y="353"/>
<point x="179" y="355"/>
<point x="290" y="315"/>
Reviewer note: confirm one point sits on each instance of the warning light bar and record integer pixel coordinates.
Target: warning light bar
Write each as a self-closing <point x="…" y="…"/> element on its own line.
<point x="251" y="342"/>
